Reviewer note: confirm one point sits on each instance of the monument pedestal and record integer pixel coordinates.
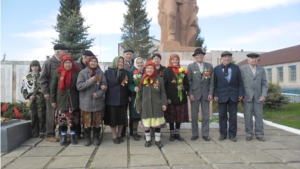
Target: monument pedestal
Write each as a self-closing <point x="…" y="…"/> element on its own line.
<point x="175" y="46"/>
<point x="13" y="133"/>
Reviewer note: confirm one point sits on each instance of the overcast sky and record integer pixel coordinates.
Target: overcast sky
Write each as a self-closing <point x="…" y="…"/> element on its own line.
<point x="257" y="25"/>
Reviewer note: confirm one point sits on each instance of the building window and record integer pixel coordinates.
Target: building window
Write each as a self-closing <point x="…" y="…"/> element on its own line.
<point x="280" y="74"/>
<point x="292" y="73"/>
<point x="269" y="74"/>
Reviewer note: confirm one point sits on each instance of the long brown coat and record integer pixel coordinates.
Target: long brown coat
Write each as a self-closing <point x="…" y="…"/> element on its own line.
<point x="151" y="98"/>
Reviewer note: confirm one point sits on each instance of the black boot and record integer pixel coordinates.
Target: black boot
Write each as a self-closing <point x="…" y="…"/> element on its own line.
<point x="63" y="140"/>
<point x="96" y="133"/>
<point x="87" y="136"/>
<point x="73" y="139"/>
<point x="172" y="137"/>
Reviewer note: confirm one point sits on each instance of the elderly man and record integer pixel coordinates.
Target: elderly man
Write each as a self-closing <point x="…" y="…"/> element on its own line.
<point x="256" y="88"/>
<point x="81" y="62"/>
<point x="200" y="78"/>
<point x="228" y="91"/>
<point x="48" y="69"/>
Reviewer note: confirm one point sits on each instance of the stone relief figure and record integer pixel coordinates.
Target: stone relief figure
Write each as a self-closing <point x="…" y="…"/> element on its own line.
<point x="178" y="21"/>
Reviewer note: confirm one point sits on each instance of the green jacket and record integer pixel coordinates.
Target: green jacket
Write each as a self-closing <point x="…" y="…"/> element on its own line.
<point x="61" y="97"/>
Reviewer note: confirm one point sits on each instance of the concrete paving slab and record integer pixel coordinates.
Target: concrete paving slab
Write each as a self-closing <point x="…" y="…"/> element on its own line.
<point x="77" y="151"/>
<point x="81" y="144"/>
<point x="109" y="162"/>
<point x="286" y="156"/>
<point x="280" y="138"/>
<point x="290" y="145"/>
<point x="282" y="132"/>
<point x="69" y="162"/>
<point x="270" y="166"/>
<point x="17" y="152"/>
<point x="220" y="158"/>
<point x="156" y="167"/>
<point x="257" y="157"/>
<point x="42" y="152"/>
<point x="111" y="151"/>
<point x="208" y="148"/>
<point x="183" y="159"/>
<point x="267" y="145"/>
<point x="238" y="146"/>
<point x="182" y="149"/>
<point x="29" y="163"/>
<point x="141" y="142"/>
<point x="32" y="142"/>
<point x="152" y="160"/>
<point x="5" y="161"/>
<point x="294" y="165"/>
<point x="231" y="166"/>
<point x="191" y="167"/>
<point x="46" y="143"/>
<point x="134" y="150"/>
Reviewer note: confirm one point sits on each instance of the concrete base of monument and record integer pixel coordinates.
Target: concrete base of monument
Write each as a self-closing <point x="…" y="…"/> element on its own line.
<point x="175" y="46"/>
<point x="13" y="133"/>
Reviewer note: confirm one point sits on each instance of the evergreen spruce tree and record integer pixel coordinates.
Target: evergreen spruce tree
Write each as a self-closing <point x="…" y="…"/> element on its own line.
<point x="200" y="42"/>
<point x="72" y="32"/>
<point x="136" y="28"/>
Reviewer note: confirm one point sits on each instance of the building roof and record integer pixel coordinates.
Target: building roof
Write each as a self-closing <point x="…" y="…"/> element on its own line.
<point x="286" y="55"/>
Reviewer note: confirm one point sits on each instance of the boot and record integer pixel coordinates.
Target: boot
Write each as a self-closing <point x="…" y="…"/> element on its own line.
<point x="87" y="136"/>
<point x="96" y="133"/>
<point x="172" y="137"/>
<point x="63" y="140"/>
<point x="73" y="139"/>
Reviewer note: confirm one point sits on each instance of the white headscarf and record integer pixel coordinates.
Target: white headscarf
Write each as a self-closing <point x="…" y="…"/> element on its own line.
<point x="136" y="59"/>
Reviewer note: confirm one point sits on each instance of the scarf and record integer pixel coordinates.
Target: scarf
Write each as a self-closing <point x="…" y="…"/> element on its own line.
<point x="174" y="68"/>
<point x="92" y="70"/>
<point x="66" y="75"/>
<point x="146" y="76"/>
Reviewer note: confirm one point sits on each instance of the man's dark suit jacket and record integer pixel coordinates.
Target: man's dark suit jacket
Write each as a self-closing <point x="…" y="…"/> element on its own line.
<point x="224" y="90"/>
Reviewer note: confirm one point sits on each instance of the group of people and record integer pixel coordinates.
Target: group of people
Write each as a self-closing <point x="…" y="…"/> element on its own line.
<point x="79" y="96"/>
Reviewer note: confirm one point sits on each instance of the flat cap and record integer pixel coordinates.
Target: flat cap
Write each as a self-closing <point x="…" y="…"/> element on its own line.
<point x="60" y="47"/>
<point x="199" y="51"/>
<point x="226" y="53"/>
<point x="128" y="50"/>
<point x="253" y="55"/>
<point x="88" y="53"/>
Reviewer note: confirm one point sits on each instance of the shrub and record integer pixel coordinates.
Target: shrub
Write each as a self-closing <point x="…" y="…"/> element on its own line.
<point x="21" y="106"/>
<point x="275" y="98"/>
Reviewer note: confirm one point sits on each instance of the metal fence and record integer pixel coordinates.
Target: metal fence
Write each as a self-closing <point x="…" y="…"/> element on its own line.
<point x="295" y="98"/>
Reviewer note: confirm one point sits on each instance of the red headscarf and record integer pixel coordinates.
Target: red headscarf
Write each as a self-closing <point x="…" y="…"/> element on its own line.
<point x="66" y="75"/>
<point x="150" y="63"/>
<point x="175" y="68"/>
<point x="92" y="70"/>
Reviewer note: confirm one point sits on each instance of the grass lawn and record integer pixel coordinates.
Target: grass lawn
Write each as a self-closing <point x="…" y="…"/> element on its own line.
<point x="288" y="115"/>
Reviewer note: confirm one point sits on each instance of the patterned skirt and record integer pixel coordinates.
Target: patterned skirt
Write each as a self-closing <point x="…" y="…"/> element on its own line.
<point x="115" y="115"/>
<point x="177" y="113"/>
<point x="66" y="118"/>
<point x="91" y="119"/>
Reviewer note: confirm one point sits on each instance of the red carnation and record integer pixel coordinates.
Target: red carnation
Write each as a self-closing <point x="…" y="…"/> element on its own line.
<point x="186" y="71"/>
<point x="4" y="107"/>
<point x="17" y="113"/>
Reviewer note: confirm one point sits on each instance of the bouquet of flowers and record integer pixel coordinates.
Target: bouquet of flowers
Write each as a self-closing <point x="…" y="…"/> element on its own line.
<point x="180" y="75"/>
<point x="137" y="77"/>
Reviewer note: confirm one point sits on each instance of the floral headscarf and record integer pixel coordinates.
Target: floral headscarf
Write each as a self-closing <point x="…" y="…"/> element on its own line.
<point x="146" y="76"/>
<point x="136" y="59"/>
<point x="175" y="68"/>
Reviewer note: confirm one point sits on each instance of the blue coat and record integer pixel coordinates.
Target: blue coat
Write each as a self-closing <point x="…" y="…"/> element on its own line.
<point x="224" y="90"/>
<point x="116" y="94"/>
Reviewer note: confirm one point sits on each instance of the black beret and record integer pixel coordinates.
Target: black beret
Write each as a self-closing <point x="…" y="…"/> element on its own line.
<point x="128" y="50"/>
<point x="88" y="53"/>
<point x="60" y="47"/>
<point x="253" y="55"/>
<point x="199" y="51"/>
<point x="156" y="54"/>
<point x="226" y="53"/>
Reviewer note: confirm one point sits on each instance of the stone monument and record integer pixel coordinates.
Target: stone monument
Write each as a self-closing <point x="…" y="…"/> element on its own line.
<point x="179" y="24"/>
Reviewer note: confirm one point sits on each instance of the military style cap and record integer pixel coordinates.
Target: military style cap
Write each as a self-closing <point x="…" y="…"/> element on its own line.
<point x="226" y="53"/>
<point x="88" y="53"/>
<point x="199" y="51"/>
<point x="60" y="47"/>
<point x="128" y="50"/>
<point x="253" y="55"/>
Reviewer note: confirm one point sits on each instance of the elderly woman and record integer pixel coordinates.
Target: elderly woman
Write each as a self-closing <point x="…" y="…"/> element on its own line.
<point x="177" y="111"/>
<point x="152" y="101"/>
<point x="116" y="99"/>
<point x="31" y="90"/>
<point x="91" y="84"/>
<point x="136" y="72"/>
<point x="64" y="96"/>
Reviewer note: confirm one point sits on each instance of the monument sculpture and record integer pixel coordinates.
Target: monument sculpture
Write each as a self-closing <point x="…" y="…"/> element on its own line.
<point x="179" y="24"/>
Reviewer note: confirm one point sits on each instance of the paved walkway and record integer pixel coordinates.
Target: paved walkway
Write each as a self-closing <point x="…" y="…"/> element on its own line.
<point x="281" y="150"/>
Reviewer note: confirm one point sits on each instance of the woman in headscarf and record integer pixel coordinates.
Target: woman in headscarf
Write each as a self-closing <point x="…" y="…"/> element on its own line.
<point x="136" y="72"/>
<point x="116" y="99"/>
<point x="92" y="86"/>
<point x="177" y="111"/>
<point x="152" y="101"/>
<point x="31" y="90"/>
<point x="64" y="96"/>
